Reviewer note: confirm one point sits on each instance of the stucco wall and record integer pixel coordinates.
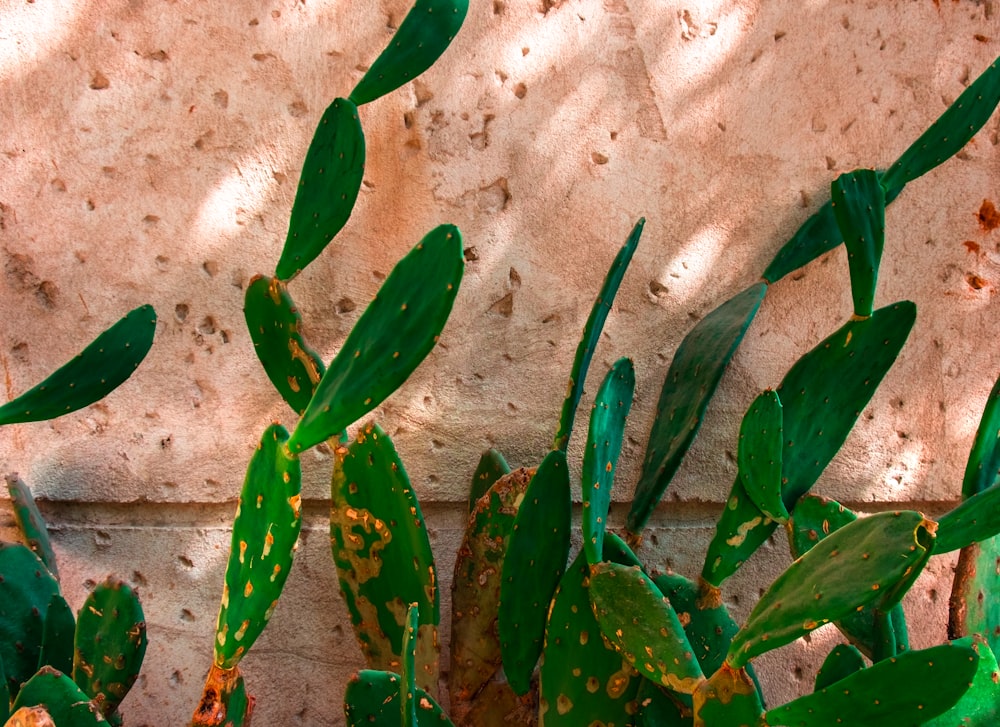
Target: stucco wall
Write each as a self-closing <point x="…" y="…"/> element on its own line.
<point x="149" y="152"/>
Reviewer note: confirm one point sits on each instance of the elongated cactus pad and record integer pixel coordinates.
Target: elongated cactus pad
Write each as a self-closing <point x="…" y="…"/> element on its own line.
<point x="952" y="131"/>
<point x="871" y="560"/>
<point x="328" y="187"/>
<point x="394" y="334"/>
<point x="475" y="593"/>
<point x="425" y="33"/>
<point x="408" y="683"/>
<point x="93" y="374"/>
<point x="983" y="467"/>
<point x="817" y="235"/>
<point x="29" y="717"/>
<point x="492" y="466"/>
<point x="372" y="698"/>
<point x="582" y="680"/>
<point x="600" y="457"/>
<point x="759" y="455"/>
<point x="694" y="374"/>
<point x="729" y="698"/>
<point x="57" y="636"/>
<point x="109" y="644"/>
<point x="906" y="690"/>
<point x="224" y="700"/>
<point x="592" y="334"/>
<point x="648" y="633"/>
<point x="383" y="555"/>
<point x="274" y="322"/>
<point x="67" y="705"/>
<point x="29" y="520"/>
<point x="980" y="705"/>
<point x="658" y="709"/>
<point x="976" y="518"/>
<point x="26" y="588"/>
<point x="265" y="534"/>
<point x="974" y="607"/>
<point x="842" y="661"/>
<point x="537" y="550"/>
<point x="858" y="202"/>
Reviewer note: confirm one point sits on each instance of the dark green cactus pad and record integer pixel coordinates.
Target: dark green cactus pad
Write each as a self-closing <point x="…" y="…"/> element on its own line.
<point x="425" y="33"/>
<point x="394" y="334"/>
<point x="373" y="698"/>
<point x="600" y="457"/>
<point x="93" y="374"/>
<point x="383" y="554"/>
<point x="817" y="235"/>
<point x="648" y="634"/>
<point x="109" y="644"/>
<point x="872" y="560"/>
<point x="492" y="466"/>
<point x="742" y="528"/>
<point x="729" y="698"/>
<point x="475" y="593"/>
<point x="934" y="679"/>
<point x="759" y="455"/>
<point x="974" y="607"/>
<point x="328" y="187"/>
<point x="57" y="636"/>
<point x="842" y="661"/>
<point x="946" y="136"/>
<point x="4" y="696"/>
<point x="26" y="588"/>
<point x="30" y="523"/>
<point x="274" y="322"/>
<point x="265" y="532"/>
<point x="813" y="520"/>
<point x="983" y="468"/>
<point x="974" y="519"/>
<point x="62" y="699"/>
<point x="224" y="700"/>
<point x="537" y="549"/>
<point x="658" y="709"/>
<point x="408" y="682"/>
<point x="694" y="374"/>
<point x="581" y="679"/>
<point x="980" y="705"/>
<point x="858" y="202"/>
<point x="592" y="334"/>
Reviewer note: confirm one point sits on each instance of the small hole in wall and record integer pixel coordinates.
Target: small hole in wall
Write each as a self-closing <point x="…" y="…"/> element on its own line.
<point x="797" y="672"/>
<point x="187" y="615"/>
<point x="181" y="312"/>
<point x="176" y="678"/>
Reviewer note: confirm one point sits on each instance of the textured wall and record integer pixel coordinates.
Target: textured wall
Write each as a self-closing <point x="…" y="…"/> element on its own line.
<point x="149" y="152"/>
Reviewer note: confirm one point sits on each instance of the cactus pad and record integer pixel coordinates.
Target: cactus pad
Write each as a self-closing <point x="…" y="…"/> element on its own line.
<point x="537" y="549"/>
<point x="600" y="457"/>
<point x="265" y="534"/>
<point x="394" y="334"/>
<point x="742" y="528"/>
<point x="57" y="636"/>
<point x="66" y="704"/>
<point x="383" y="555"/>
<point x="29" y="717"/>
<point x="842" y="661"/>
<point x="690" y="383"/>
<point x="30" y="523"/>
<point x="425" y="33"/>
<point x="759" y="455"/>
<point x="974" y="519"/>
<point x="492" y="466"/>
<point x="93" y="374"/>
<point x="408" y="683"/>
<point x="328" y="187"/>
<point x="973" y="606"/>
<point x="729" y="698"/>
<point x="980" y="705"/>
<point x="224" y="701"/>
<point x="983" y="468"/>
<point x="858" y="202"/>
<point x="273" y="321"/>
<point x="373" y="698"/>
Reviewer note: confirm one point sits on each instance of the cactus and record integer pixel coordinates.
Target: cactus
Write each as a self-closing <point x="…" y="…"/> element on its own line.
<point x="373" y="698"/>
<point x="759" y="456"/>
<point x="58" y="634"/>
<point x="980" y="705"/>
<point x="492" y="466"/>
<point x="858" y="202"/>
<point x="842" y="661"/>
<point x="408" y="684"/>
<point x="64" y="701"/>
<point x="30" y="717"/>
<point x="30" y="523"/>
<point x="728" y="698"/>
<point x="224" y="701"/>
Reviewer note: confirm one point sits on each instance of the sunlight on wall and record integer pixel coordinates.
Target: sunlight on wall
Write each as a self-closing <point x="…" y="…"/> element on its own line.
<point x="695" y="262"/>
<point x="30" y="31"/>
<point x="235" y="199"/>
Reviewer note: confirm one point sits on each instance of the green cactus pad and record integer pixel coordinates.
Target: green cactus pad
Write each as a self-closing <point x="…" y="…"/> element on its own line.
<point x="537" y="549"/>
<point x="690" y="383"/>
<point x="26" y="588"/>
<point x="742" y="528"/>
<point x="265" y="532"/>
<point x="974" y="607"/>
<point x="759" y="455"/>
<point x="328" y="187"/>
<point x="475" y="593"/>
<point x="729" y="698"/>
<point x="592" y="334"/>
<point x="974" y="519"/>
<point x="408" y="682"/>
<point x="869" y="561"/>
<point x="600" y="457"/>
<point x="394" y="334"/>
<point x="980" y="705"/>
<point x="817" y="235"/>
<point x="372" y="698"/>
<point x="93" y="374"/>
<point x="224" y="700"/>
<point x="934" y="681"/>
<point x="30" y="523"/>
<point x="109" y="644"/>
<point x="842" y="661"/>
<point x="492" y="466"/>
<point x="946" y="136"/>
<point x="813" y="520"/>
<point x="858" y="202"/>
<point x="57" y="636"/>
<point x="62" y="698"/>
<point x="648" y="634"/>
<point x="383" y="555"/>
<point x="425" y="33"/>
<point x="658" y="709"/>
<point x="983" y="468"/>
<point x="274" y="322"/>
<point x="581" y="679"/>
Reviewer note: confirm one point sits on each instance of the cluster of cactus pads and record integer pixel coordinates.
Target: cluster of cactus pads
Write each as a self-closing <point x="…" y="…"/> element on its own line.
<point x="57" y="668"/>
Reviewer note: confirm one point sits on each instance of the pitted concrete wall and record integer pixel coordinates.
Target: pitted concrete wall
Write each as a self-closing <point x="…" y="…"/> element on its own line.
<point x="149" y="152"/>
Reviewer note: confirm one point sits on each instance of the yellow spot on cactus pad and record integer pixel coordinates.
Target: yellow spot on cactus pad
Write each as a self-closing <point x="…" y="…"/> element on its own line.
<point x="248" y="590"/>
<point x="242" y="630"/>
<point x="243" y="550"/>
<point x="563" y="704"/>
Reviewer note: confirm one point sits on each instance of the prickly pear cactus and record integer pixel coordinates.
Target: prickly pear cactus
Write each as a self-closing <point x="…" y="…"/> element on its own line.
<point x="858" y="201"/>
<point x="842" y="661"/>
<point x="30" y="717"/>
<point x="66" y="704"/>
<point x="57" y="636"/>
<point x="728" y="698"/>
<point x="492" y="466"/>
<point x="30" y="523"/>
<point x="373" y="698"/>
<point x="224" y="701"/>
